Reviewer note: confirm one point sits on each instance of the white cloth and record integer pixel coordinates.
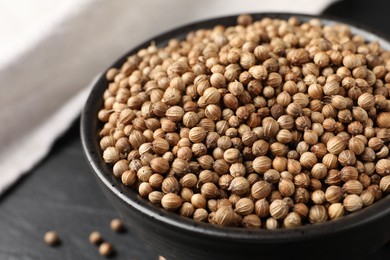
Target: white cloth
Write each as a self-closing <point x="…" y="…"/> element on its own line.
<point x="50" y="51"/>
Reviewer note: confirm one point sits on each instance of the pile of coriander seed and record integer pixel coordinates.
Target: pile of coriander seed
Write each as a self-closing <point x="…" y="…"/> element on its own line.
<point x="266" y="124"/>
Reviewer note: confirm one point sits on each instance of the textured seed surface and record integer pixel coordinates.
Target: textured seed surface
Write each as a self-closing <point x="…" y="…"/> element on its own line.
<point x="270" y="124"/>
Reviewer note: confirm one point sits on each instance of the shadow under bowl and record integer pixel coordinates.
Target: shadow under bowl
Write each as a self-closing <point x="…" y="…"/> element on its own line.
<point x="176" y="237"/>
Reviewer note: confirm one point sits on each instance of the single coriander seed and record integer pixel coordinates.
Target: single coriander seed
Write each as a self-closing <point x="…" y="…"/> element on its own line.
<point x="292" y="220"/>
<point x="352" y="202"/>
<point x="95" y="237"/>
<point x="318" y="214"/>
<point x="278" y="209"/>
<point x="336" y="210"/>
<point x="105" y="249"/>
<point x="51" y="238"/>
<point x="117" y="225"/>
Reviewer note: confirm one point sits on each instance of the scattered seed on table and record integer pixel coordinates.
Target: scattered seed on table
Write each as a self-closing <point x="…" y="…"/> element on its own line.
<point x="105" y="249"/>
<point x="51" y="238"/>
<point x="117" y="225"/>
<point x="95" y="237"/>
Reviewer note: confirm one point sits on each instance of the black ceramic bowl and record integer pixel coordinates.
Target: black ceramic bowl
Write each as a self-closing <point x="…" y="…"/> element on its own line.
<point x="176" y="237"/>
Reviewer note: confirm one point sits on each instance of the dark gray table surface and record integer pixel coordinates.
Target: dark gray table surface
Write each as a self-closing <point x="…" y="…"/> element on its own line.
<point x="62" y="194"/>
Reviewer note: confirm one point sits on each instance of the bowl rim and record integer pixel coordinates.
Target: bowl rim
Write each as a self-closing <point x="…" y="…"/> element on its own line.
<point x="89" y="139"/>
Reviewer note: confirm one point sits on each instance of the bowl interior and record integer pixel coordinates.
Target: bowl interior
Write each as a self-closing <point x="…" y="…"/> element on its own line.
<point x="90" y="139"/>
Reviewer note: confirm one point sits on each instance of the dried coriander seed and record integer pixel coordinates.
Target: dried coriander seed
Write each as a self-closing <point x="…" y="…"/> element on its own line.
<point x="251" y="221"/>
<point x="290" y="130"/>
<point x="261" y="189"/>
<point x="51" y="238"/>
<point x="336" y="210"/>
<point x="239" y="186"/>
<point x="117" y="225"/>
<point x="244" y="206"/>
<point x="334" y="194"/>
<point x="292" y="220"/>
<point x="286" y="187"/>
<point x="105" y="249"/>
<point x="382" y="167"/>
<point x="171" y="201"/>
<point x="261" y="164"/>
<point x="271" y="223"/>
<point x="95" y="237"/>
<point x="385" y="184"/>
<point x="278" y="209"/>
<point x="200" y="214"/>
<point x="224" y="216"/>
<point x="367" y="198"/>
<point x="318" y="214"/>
<point x="352" y="202"/>
<point x="262" y="208"/>
<point x="301" y="209"/>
